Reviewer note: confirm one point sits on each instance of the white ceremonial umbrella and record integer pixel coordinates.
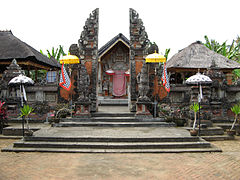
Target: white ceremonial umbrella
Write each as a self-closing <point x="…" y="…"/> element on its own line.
<point x="199" y="79"/>
<point x="21" y="80"/>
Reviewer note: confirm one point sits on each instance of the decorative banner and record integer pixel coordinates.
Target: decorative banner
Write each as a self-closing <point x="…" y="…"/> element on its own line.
<point x="65" y="81"/>
<point x="165" y="78"/>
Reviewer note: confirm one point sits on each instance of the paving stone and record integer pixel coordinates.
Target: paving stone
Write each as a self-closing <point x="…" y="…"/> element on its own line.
<point x="81" y="166"/>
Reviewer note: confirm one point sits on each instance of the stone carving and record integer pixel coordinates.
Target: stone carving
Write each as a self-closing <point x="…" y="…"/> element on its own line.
<point x="83" y="83"/>
<point x="12" y="71"/>
<point x="87" y="51"/>
<point x="143" y="83"/>
<point x="88" y="41"/>
<point x="7" y="92"/>
<point x="138" y="47"/>
<point x="138" y="35"/>
<point x="74" y="50"/>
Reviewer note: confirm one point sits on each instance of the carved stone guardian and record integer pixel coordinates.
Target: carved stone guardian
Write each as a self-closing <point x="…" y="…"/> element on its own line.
<point x="143" y="84"/>
<point x="82" y="106"/>
<point x="83" y="83"/>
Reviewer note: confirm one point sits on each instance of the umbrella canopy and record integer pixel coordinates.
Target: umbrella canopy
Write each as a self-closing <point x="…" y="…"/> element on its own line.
<point x="127" y="73"/>
<point x="155" y="58"/>
<point x="110" y="72"/>
<point x="69" y="59"/>
<point x="199" y="79"/>
<point x="21" y="79"/>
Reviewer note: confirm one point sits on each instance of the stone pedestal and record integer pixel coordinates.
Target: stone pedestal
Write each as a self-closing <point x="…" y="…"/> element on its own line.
<point x="82" y="109"/>
<point x="143" y="111"/>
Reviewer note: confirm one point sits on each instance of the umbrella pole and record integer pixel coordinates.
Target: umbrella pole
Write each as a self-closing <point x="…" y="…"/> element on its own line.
<point x="22" y="107"/>
<point x="199" y="103"/>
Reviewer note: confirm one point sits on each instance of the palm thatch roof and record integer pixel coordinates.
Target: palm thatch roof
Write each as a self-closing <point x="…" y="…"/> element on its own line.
<point x="112" y="42"/>
<point x="13" y="48"/>
<point x="197" y="56"/>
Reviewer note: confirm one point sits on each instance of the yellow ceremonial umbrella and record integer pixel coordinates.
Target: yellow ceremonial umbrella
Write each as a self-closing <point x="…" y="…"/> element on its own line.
<point x="155" y="58"/>
<point x="69" y="59"/>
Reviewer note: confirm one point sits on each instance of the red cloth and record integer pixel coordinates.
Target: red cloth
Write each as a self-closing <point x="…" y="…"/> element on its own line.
<point x="119" y="83"/>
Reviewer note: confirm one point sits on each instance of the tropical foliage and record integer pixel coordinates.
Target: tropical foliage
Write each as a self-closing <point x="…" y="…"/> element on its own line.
<point x="236" y="110"/>
<point x="167" y="51"/>
<point x="55" y="53"/>
<point x="195" y="108"/>
<point x="231" y="51"/>
<point x="3" y="116"/>
<point x="26" y="110"/>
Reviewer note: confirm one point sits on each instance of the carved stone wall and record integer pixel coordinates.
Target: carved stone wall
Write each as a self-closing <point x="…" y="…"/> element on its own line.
<point x="138" y="50"/>
<point x="88" y="53"/>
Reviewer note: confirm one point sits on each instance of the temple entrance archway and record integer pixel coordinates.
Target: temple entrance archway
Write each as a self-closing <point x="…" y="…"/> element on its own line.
<point x="113" y="69"/>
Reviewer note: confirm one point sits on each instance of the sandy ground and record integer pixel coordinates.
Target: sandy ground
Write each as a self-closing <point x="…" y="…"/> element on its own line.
<point x="60" y="166"/>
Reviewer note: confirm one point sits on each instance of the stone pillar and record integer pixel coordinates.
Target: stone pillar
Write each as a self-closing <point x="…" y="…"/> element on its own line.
<point x="138" y="50"/>
<point x="88" y="53"/>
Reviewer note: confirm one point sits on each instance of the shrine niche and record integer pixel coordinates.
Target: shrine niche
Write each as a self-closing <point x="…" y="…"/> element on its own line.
<point x="113" y="69"/>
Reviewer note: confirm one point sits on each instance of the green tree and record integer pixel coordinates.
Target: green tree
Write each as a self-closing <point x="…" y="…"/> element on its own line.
<point x="231" y="51"/>
<point x="195" y="108"/>
<point x="26" y="110"/>
<point x="167" y="51"/>
<point x="236" y="110"/>
<point x="55" y="53"/>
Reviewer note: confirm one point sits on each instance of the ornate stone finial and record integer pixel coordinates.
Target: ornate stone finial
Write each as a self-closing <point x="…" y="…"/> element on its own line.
<point x="74" y="50"/>
<point x="138" y="35"/>
<point x="14" y="65"/>
<point x="14" y="61"/>
<point x="153" y="48"/>
<point x="89" y="36"/>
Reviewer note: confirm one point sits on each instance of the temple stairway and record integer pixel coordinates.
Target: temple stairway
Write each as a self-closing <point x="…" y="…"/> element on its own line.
<point x="112" y="130"/>
<point x="113" y="116"/>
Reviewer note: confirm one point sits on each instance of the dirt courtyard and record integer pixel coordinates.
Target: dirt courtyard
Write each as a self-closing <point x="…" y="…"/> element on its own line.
<point x="61" y="166"/>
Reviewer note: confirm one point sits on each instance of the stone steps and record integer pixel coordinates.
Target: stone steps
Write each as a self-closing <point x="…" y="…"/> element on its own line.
<point x="218" y="138"/>
<point x="112" y="145"/>
<point x="222" y="120"/>
<point x="111" y="139"/>
<point x="210" y="131"/>
<point x="114" y="124"/>
<point x="113" y="102"/>
<point x="17" y="120"/>
<point x="16" y="131"/>
<point x="113" y="119"/>
<point x="110" y="114"/>
<point x="63" y="150"/>
<point x="225" y="126"/>
<point x="101" y="119"/>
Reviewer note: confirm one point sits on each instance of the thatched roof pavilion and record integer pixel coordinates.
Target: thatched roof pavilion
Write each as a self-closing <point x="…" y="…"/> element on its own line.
<point x="27" y="57"/>
<point x="197" y="56"/>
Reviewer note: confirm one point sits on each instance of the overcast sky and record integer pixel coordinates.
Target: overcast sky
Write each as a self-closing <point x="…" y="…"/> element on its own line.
<point x="171" y="24"/>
